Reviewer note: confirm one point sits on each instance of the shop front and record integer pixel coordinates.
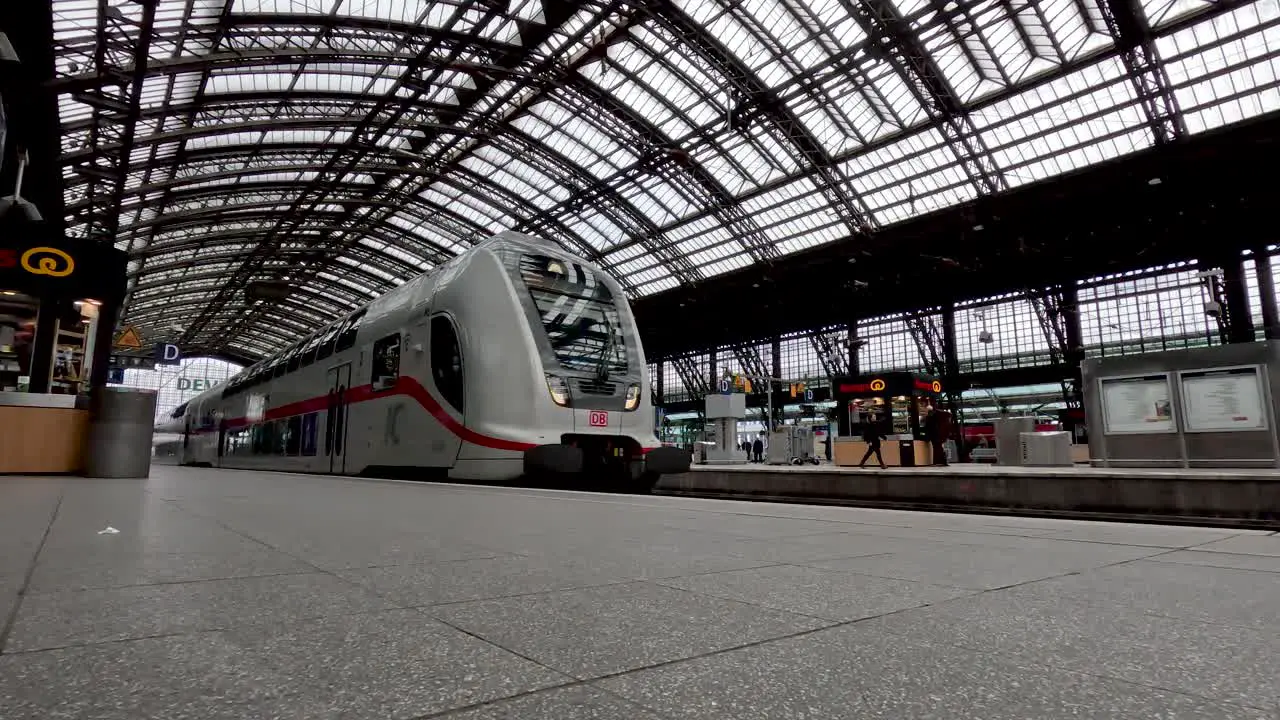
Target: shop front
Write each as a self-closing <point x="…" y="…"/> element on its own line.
<point x="896" y="403"/>
<point x="58" y="302"/>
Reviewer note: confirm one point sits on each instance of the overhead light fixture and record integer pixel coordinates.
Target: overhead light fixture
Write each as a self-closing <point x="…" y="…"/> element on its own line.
<point x="1154" y="181"/>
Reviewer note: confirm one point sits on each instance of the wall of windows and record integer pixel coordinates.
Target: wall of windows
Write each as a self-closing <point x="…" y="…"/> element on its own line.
<point x="1150" y="310"/>
<point x="176" y="384"/>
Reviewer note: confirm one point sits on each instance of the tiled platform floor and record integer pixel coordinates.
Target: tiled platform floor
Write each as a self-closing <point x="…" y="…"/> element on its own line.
<point x="255" y="595"/>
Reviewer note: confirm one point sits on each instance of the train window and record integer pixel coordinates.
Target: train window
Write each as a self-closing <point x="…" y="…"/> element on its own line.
<point x="294" y="439"/>
<point x="446" y="362"/>
<point x="386" y="362"/>
<point x="326" y="342"/>
<point x="294" y="358"/>
<point x="309" y="434"/>
<point x="347" y="338"/>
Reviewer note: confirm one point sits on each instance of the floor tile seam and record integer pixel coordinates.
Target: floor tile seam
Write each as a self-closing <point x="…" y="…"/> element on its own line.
<point x="538" y="691"/>
<point x="753" y="604"/>
<point x="168" y="583"/>
<point x="809" y="564"/>
<point x="386" y="598"/>
<point x="1041" y="668"/>
<point x="347" y="568"/>
<point x="226" y="629"/>
<point x="1085" y="603"/>
<point x="1222" y="567"/>
<point x="594" y="586"/>
<point x="10" y="621"/>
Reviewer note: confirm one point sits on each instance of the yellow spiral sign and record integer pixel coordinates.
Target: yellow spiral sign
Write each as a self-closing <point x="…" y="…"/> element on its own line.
<point x="877" y="385"/>
<point x="937" y="386"/>
<point x="46" y="262"/>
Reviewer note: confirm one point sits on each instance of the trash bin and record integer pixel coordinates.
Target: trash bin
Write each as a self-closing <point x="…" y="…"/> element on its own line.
<point x="121" y="424"/>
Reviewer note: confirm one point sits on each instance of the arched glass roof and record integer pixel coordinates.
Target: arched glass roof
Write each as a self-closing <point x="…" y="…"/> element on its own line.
<point x="335" y="148"/>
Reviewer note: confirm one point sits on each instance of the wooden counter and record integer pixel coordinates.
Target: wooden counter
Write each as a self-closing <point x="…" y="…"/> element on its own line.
<point x="36" y="439"/>
<point x="847" y="452"/>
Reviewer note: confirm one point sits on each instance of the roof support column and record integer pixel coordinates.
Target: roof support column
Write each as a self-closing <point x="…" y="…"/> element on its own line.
<point x="854" y="345"/>
<point x="1267" y="292"/>
<point x="1239" y="320"/>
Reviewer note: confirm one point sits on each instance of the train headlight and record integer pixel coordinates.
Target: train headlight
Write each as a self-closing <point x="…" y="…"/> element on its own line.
<point x="633" y="397"/>
<point x="559" y="390"/>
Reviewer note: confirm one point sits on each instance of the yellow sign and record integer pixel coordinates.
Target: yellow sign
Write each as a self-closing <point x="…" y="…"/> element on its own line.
<point x="937" y="386"/>
<point x="877" y="385"/>
<point x="129" y="339"/>
<point x="43" y="261"/>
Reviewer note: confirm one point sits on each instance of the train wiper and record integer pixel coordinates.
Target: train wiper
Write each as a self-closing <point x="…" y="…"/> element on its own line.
<point x="606" y="349"/>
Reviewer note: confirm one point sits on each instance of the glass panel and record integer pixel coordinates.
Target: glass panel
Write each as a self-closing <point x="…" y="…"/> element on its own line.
<point x="579" y="314"/>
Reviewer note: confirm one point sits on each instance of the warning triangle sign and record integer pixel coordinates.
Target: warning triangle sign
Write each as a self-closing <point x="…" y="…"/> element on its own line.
<point x="129" y="339"/>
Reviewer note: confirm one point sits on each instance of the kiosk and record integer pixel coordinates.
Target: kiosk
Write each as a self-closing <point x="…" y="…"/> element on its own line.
<point x="897" y="402"/>
<point x="58" y="302"/>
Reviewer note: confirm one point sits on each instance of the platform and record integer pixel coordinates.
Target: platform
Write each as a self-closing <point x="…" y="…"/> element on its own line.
<point x="1224" y="496"/>
<point x="232" y="594"/>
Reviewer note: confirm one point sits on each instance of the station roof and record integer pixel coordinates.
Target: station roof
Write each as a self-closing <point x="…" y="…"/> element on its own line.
<point x="271" y="164"/>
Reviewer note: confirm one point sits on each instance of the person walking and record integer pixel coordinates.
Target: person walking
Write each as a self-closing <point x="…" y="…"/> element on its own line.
<point x="871" y="435"/>
<point x="937" y="428"/>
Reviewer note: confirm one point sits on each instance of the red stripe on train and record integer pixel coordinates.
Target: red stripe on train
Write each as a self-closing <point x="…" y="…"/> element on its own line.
<point x="404" y="386"/>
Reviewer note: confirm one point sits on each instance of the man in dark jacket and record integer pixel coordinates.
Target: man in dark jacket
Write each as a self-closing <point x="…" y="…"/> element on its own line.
<point x="937" y="428"/>
<point x="757" y="448"/>
<point x="871" y="435"/>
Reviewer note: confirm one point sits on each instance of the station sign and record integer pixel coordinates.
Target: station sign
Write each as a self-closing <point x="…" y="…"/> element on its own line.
<point x="896" y="383"/>
<point x="168" y="354"/>
<point x="194" y="384"/>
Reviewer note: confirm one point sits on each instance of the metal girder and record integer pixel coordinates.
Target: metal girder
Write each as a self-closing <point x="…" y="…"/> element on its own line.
<point x="384" y="114"/>
<point x="832" y="349"/>
<point x="659" y="153"/>
<point x="121" y="60"/>
<point x="1128" y="26"/>
<point x="886" y="26"/>
<point x="347" y="100"/>
<point x="752" y="363"/>
<point x="1049" y="305"/>
<point x="929" y="342"/>
<point x="758" y="100"/>
<point x="187" y="133"/>
<point x="691" y="375"/>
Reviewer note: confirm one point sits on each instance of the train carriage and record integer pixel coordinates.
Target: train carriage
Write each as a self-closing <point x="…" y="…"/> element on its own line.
<point x="512" y="359"/>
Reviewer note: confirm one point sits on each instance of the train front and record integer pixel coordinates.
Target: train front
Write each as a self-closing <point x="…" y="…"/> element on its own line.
<point x="594" y="370"/>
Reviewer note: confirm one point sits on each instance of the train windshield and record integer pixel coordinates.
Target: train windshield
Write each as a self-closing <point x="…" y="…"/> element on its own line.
<point x="578" y="312"/>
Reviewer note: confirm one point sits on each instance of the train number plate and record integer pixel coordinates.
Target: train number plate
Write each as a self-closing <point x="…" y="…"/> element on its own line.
<point x="598" y="418"/>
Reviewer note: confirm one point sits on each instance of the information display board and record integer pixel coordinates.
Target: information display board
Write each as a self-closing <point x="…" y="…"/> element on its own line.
<point x="1223" y="400"/>
<point x="1137" y="404"/>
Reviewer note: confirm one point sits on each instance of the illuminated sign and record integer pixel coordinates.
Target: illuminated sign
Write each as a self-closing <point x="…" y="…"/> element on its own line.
<point x="47" y="261"/>
<point x="63" y="267"/>
<point x="937" y="386"/>
<point x="877" y="385"/>
<point x="39" y="261"/>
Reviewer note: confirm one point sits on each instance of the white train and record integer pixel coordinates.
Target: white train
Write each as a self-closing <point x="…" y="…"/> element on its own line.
<point x="512" y="359"/>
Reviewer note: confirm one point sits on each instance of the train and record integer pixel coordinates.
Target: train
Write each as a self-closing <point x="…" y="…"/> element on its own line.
<point x="513" y="360"/>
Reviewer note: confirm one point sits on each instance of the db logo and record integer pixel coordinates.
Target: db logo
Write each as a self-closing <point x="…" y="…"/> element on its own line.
<point x="598" y="418"/>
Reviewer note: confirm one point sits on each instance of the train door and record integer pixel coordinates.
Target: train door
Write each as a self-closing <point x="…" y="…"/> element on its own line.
<point x="447" y="386"/>
<point x="335" y="423"/>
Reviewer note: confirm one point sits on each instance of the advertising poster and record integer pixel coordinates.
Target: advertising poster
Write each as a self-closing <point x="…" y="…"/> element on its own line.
<point x="1137" y="404"/>
<point x="1223" y="400"/>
